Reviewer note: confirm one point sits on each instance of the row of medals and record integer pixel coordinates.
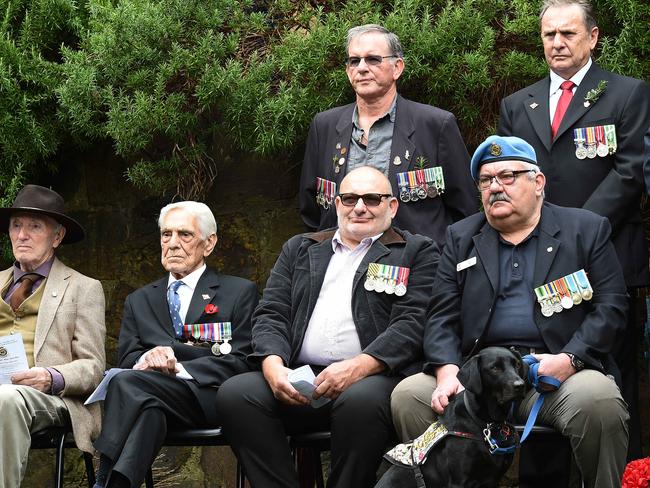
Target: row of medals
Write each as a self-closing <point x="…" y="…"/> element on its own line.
<point x="217" y="348"/>
<point x="382" y="282"/>
<point x="384" y="285"/>
<point x="592" y="150"/>
<point x="413" y="194"/>
<point x="558" y="302"/>
<point x="324" y="201"/>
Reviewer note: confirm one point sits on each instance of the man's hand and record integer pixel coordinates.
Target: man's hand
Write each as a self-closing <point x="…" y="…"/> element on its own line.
<point x="160" y="358"/>
<point x="276" y="375"/>
<point x="447" y="386"/>
<point x="337" y="377"/>
<point x="38" y="378"/>
<point x="556" y="365"/>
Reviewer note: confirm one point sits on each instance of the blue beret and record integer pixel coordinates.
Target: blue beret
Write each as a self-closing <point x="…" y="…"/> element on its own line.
<point x="498" y="148"/>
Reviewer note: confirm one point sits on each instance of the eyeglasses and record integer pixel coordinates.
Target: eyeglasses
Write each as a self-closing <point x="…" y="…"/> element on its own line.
<point x="503" y="178"/>
<point x="372" y="60"/>
<point x="369" y="199"/>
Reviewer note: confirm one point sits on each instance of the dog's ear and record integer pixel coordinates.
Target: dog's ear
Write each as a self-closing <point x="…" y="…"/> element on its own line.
<point x="470" y="375"/>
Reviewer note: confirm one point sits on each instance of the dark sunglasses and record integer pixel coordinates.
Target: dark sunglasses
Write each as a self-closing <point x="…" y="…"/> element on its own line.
<point x="372" y="60"/>
<point x="369" y="199"/>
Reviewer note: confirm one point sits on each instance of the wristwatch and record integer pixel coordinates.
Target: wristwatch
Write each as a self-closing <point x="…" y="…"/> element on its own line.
<point x="577" y="363"/>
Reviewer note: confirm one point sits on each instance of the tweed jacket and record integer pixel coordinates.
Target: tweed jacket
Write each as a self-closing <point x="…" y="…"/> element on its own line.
<point x="569" y="240"/>
<point x="421" y="131"/>
<point x="611" y="186"/>
<point x="389" y="327"/>
<point x="69" y="337"/>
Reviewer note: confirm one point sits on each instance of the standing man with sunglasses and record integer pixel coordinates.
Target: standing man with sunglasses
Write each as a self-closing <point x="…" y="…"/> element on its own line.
<point x="349" y="302"/>
<point x="417" y="147"/>
<point x="542" y="280"/>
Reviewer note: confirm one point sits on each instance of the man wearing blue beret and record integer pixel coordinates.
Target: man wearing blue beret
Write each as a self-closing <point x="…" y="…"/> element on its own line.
<point x="542" y="280"/>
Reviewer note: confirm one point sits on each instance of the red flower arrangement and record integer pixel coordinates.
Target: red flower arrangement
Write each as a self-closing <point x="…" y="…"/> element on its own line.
<point x="637" y="474"/>
<point x="211" y="309"/>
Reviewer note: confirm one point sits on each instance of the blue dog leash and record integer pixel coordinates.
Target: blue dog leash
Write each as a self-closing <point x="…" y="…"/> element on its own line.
<point x="541" y="385"/>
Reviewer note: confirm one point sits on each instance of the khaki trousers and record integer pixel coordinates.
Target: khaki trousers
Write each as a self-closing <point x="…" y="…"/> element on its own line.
<point x="587" y="408"/>
<point x="23" y="410"/>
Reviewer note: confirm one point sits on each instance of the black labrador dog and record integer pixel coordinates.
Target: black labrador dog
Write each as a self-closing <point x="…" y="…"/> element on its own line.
<point x="479" y="447"/>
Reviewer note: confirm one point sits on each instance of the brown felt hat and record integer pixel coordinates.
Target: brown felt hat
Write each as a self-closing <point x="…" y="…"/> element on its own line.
<point x="43" y="201"/>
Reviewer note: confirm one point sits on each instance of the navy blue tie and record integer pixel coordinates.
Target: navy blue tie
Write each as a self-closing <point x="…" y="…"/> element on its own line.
<point x="174" y="302"/>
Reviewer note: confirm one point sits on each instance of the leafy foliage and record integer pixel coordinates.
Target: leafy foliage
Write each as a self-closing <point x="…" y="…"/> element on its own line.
<point x="173" y="84"/>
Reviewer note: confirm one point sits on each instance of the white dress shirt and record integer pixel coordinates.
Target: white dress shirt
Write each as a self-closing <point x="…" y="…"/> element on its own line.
<point x="555" y="91"/>
<point x="331" y="334"/>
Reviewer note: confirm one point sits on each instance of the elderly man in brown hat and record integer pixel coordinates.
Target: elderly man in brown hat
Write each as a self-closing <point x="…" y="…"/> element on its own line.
<point x="56" y="316"/>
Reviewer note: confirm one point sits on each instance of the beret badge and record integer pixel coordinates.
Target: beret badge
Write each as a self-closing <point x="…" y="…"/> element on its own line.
<point x="495" y="149"/>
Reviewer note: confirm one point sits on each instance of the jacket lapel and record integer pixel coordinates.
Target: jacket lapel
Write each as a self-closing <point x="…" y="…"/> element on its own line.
<point x="343" y="136"/>
<point x="403" y="129"/>
<point x="55" y="287"/>
<point x="157" y="298"/>
<point x="319" y="258"/>
<point x="547" y="246"/>
<point x="536" y="107"/>
<point x="206" y="287"/>
<point x="487" y="248"/>
<point x="576" y="109"/>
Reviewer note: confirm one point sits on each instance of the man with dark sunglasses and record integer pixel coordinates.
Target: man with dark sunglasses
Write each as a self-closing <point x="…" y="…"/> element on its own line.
<point x="418" y="147"/>
<point x="349" y="302"/>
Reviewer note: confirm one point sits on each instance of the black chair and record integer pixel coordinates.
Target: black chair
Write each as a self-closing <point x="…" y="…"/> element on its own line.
<point x="196" y="437"/>
<point x="60" y="438"/>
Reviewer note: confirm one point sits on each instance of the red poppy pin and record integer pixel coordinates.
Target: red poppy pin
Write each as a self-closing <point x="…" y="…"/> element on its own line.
<point x="211" y="309"/>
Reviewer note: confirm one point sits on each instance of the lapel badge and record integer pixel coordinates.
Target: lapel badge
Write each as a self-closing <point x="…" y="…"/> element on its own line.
<point x="343" y="151"/>
<point x="407" y="155"/>
<point x="397" y="161"/>
<point x="586" y="103"/>
<point x="205" y="297"/>
<point x="534" y="105"/>
<point x="338" y="146"/>
<point x="211" y="308"/>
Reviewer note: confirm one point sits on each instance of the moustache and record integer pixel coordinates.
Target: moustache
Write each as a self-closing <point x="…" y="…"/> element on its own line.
<point x="498" y="197"/>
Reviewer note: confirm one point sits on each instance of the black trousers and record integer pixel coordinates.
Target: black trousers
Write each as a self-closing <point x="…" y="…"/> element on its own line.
<point x="139" y="408"/>
<point x="257" y="425"/>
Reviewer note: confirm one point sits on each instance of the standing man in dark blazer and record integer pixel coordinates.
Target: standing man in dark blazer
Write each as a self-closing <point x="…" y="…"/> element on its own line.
<point x="392" y="134"/>
<point x="182" y="336"/>
<point x="589" y="143"/>
<point x="350" y="302"/>
<point x="487" y="293"/>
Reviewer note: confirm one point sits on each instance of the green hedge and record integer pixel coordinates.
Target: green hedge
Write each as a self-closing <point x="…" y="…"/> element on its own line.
<point x="176" y="84"/>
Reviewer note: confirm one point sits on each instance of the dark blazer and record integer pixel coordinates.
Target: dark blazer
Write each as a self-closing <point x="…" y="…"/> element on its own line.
<point x="569" y="240"/>
<point x="146" y="323"/>
<point x="423" y="131"/>
<point x="610" y="186"/>
<point x="389" y="327"/>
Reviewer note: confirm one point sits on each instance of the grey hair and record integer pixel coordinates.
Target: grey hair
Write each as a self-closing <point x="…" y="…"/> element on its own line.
<point x="585" y="6"/>
<point x="200" y="211"/>
<point x="391" y="39"/>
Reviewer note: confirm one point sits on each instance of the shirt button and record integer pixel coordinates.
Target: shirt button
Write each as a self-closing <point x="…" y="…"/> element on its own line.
<point x="516" y="265"/>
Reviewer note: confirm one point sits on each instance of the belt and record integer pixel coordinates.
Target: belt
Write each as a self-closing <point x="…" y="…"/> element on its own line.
<point x="526" y="350"/>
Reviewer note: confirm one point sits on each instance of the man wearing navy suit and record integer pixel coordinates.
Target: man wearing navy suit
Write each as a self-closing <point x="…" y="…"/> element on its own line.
<point x="175" y="369"/>
<point x="486" y="293"/>
<point x="392" y="134"/>
<point x="592" y="154"/>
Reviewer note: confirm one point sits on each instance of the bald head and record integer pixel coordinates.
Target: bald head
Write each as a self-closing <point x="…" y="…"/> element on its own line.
<point x="373" y="180"/>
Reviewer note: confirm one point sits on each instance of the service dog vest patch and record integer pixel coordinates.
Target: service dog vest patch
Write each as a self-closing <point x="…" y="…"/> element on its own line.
<point x="415" y="453"/>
